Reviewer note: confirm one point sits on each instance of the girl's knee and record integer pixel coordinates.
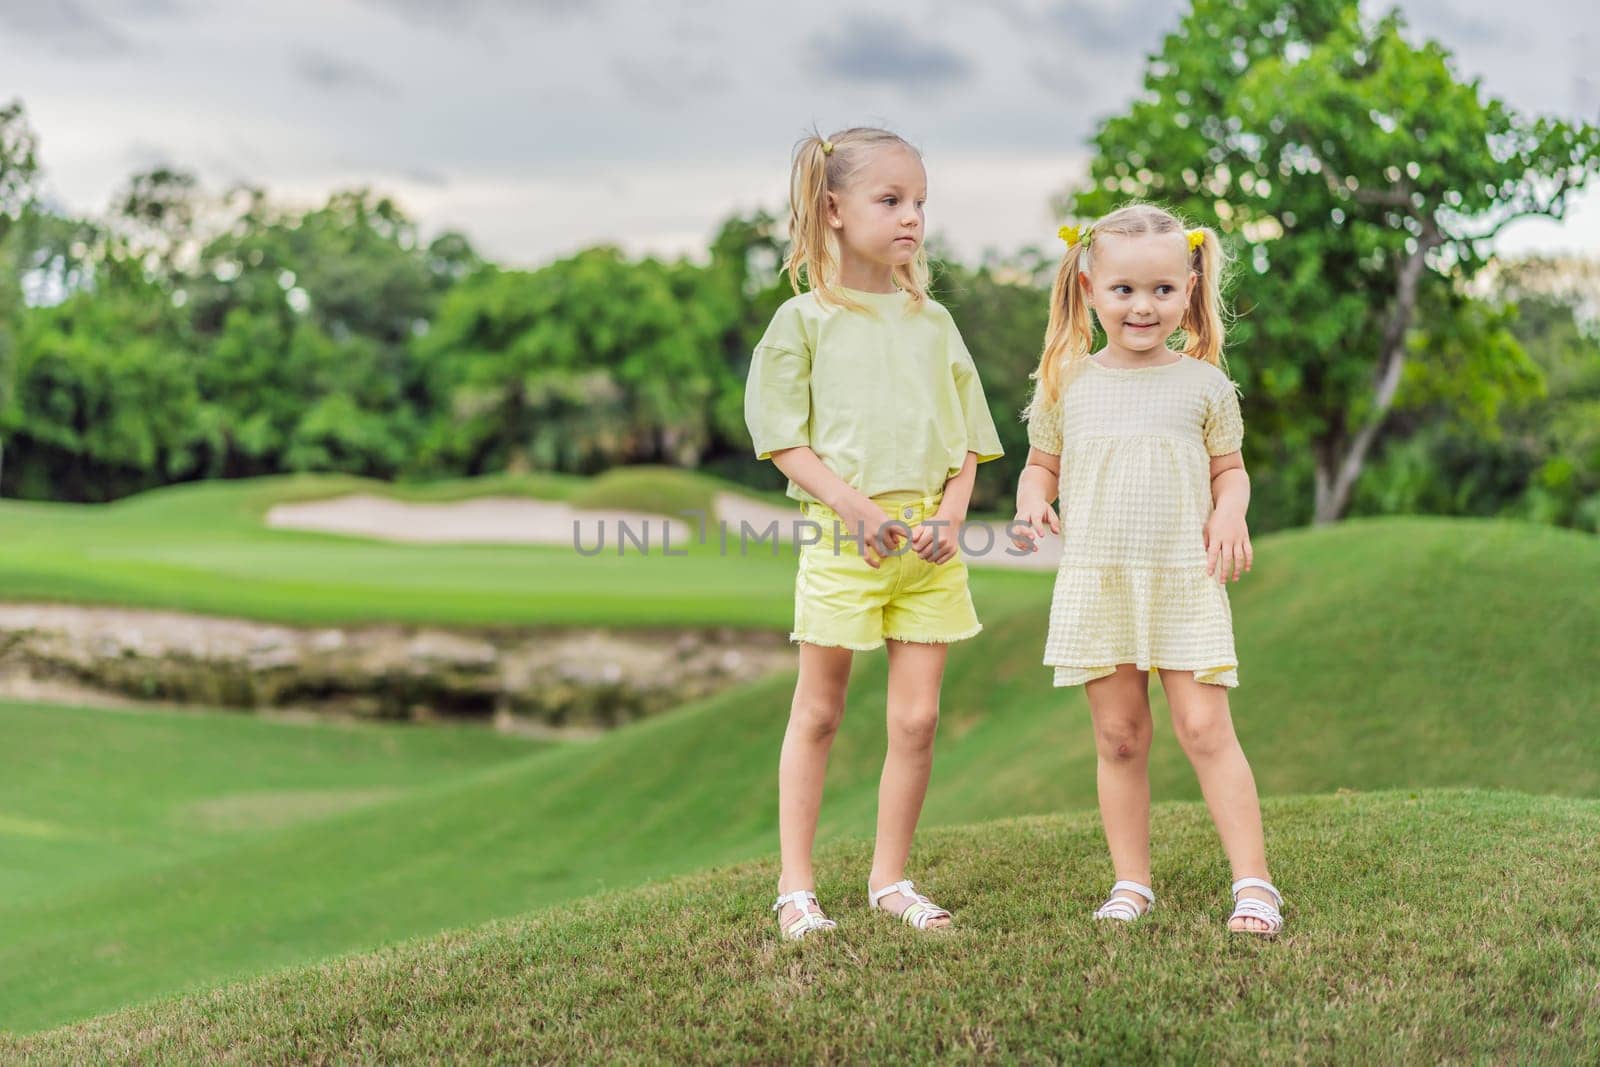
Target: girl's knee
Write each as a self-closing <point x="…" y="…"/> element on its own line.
<point x="1124" y="739"/>
<point x="1204" y="734"/>
<point x="915" y="727"/>
<point x="816" y="718"/>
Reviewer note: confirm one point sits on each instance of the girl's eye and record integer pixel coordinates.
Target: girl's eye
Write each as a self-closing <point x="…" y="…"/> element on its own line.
<point x="1122" y="290"/>
<point x="1165" y="289"/>
<point x="890" y="200"/>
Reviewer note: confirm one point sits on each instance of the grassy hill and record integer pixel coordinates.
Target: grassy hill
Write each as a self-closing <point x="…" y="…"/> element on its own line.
<point x="1424" y="927"/>
<point x="1396" y="653"/>
<point x="91" y="795"/>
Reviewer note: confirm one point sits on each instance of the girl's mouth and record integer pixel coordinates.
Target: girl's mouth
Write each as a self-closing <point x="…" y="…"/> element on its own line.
<point x="1141" y="325"/>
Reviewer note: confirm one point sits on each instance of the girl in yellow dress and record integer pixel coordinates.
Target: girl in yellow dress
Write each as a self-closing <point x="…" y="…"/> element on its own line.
<point x="863" y="394"/>
<point x="1142" y="445"/>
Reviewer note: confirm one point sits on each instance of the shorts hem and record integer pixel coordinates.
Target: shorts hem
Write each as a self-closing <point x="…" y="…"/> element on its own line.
<point x="854" y="646"/>
<point x="943" y="639"/>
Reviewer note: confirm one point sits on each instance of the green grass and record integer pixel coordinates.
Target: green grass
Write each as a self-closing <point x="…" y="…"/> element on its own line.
<point x="1382" y="654"/>
<point x="1449" y="926"/>
<point x="203" y="548"/>
<point x="87" y="795"/>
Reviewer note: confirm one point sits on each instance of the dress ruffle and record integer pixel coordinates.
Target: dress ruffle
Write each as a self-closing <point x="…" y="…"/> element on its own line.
<point x="1173" y="618"/>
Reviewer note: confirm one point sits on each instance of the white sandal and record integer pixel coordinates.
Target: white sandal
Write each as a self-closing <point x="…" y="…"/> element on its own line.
<point x="810" y="917"/>
<point x="1121" y="908"/>
<point x="1252" y="908"/>
<point x="919" y="913"/>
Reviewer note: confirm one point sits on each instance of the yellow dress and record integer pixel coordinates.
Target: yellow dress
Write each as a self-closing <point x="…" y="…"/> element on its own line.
<point x="1135" y="494"/>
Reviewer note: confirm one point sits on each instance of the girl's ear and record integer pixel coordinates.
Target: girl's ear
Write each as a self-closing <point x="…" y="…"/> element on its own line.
<point x="1188" y="292"/>
<point x="1088" y="288"/>
<point x="833" y="211"/>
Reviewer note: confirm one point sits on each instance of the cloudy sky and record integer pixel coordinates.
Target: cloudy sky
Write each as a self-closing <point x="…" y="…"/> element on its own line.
<point x="542" y="126"/>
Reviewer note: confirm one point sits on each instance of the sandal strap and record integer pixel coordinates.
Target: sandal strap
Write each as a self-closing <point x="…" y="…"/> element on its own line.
<point x="921" y="911"/>
<point x="905" y="886"/>
<point x="798" y="898"/>
<point x="1121" y="908"/>
<point x="1136" y="887"/>
<point x="1258" y="883"/>
<point x="807" y="922"/>
<point x="809" y="915"/>
<point x="1261" y="911"/>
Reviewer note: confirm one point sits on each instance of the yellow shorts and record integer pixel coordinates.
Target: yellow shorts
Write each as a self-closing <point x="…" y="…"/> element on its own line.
<point x="842" y="602"/>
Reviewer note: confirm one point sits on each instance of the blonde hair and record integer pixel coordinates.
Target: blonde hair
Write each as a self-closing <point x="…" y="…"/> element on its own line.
<point x="831" y="165"/>
<point x="1070" y="334"/>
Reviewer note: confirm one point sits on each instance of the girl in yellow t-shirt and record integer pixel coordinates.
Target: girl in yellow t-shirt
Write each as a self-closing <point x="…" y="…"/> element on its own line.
<point x="863" y="394"/>
<point x="1142" y="445"/>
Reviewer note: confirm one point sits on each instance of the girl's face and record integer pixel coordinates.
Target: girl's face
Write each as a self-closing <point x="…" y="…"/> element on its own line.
<point x="1138" y="287"/>
<point x="879" y="217"/>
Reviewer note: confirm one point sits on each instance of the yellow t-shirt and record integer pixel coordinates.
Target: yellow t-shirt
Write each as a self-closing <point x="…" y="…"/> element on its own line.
<point x="887" y="398"/>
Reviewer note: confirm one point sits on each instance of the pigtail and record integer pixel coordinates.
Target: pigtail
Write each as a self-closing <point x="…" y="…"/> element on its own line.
<point x="811" y="246"/>
<point x="1203" y="324"/>
<point x="1070" y="332"/>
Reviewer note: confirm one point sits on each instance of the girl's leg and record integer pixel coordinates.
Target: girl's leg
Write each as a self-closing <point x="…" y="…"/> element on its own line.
<point x="1204" y="726"/>
<point x="916" y="671"/>
<point x="813" y="721"/>
<point x="1120" y="706"/>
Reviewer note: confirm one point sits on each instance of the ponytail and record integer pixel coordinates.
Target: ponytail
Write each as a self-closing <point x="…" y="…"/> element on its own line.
<point x="811" y="248"/>
<point x="1070" y="332"/>
<point x="1202" y="323"/>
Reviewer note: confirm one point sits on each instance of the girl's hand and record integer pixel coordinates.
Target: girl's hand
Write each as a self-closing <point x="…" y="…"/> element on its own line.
<point x="879" y="538"/>
<point x="1227" y="540"/>
<point x="938" y="543"/>
<point x="1036" y="513"/>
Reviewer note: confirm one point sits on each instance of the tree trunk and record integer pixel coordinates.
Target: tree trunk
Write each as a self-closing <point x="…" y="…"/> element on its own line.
<point x="1339" y="466"/>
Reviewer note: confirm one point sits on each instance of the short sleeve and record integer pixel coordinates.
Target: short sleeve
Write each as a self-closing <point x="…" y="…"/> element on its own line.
<point x="777" y="399"/>
<point x="982" y="437"/>
<point x="1044" y="423"/>
<point x="1224" y="426"/>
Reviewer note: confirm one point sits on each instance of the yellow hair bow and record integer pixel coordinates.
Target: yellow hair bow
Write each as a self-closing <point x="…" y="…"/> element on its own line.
<point x="827" y="148"/>
<point x="1075" y="234"/>
<point x="1196" y="239"/>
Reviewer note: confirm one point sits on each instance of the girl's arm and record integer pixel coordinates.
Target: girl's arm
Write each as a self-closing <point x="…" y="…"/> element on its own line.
<point x="806" y="469"/>
<point x="937" y="539"/>
<point x="1227" y="536"/>
<point x="1037" y="486"/>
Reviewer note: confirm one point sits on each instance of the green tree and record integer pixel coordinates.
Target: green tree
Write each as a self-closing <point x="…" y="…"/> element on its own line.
<point x="589" y="361"/>
<point x="19" y="168"/>
<point x="1000" y="307"/>
<point x="308" y="321"/>
<point x="1360" y="179"/>
<point x="105" y="402"/>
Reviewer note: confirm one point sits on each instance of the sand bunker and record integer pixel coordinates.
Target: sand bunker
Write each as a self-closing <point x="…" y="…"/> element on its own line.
<point x="486" y="520"/>
<point x="513" y="520"/>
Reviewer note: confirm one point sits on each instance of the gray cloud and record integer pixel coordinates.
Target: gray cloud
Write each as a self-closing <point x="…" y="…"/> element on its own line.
<point x="542" y="125"/>
<point x="336" y="73"/>
<point x="426" y="176"/>
<point x="458" y="13"/>
<point x="868" y="50"/>
<point x="1085" y="25"/>
<point x="67" y="26"/>
<point x="666" y="83"/>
